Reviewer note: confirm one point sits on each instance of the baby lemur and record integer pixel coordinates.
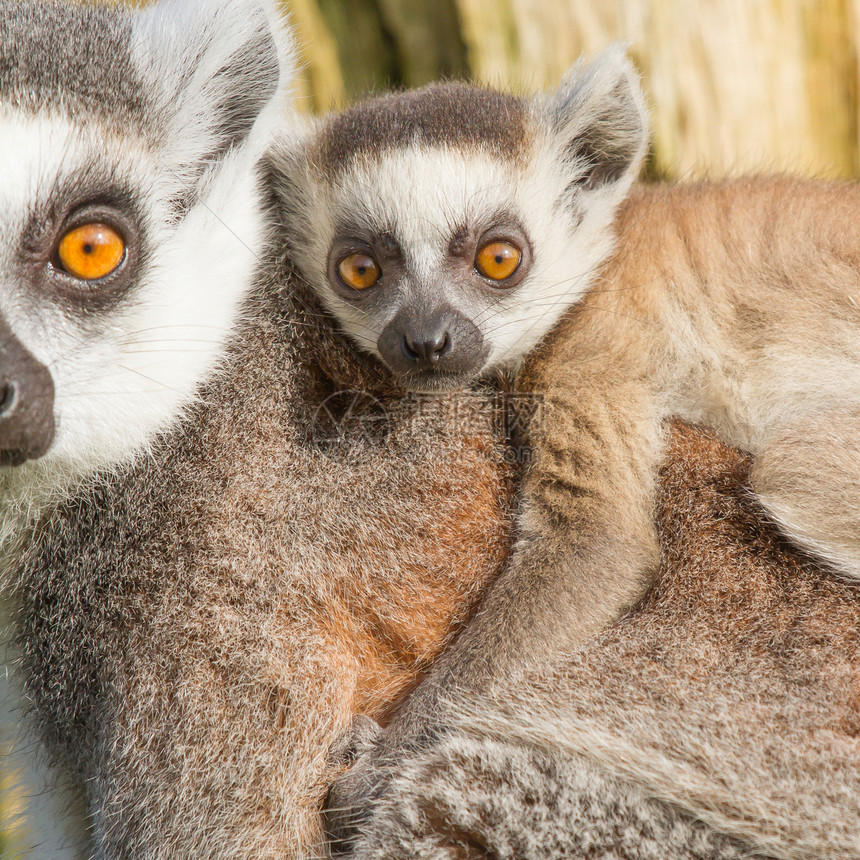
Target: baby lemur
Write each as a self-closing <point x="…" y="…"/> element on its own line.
<point x="449" y="229"/>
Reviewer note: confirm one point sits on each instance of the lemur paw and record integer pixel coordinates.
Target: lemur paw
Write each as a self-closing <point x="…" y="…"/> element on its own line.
<point x="351" y="797"/>
<point x="428" y="806"/>
<point x="375" y="757"/>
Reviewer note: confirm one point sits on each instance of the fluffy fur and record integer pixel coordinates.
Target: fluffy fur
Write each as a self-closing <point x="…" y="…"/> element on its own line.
<point x="717" y="720"/>
<point x="198" y="630"/>
<point x="154" y="118"/>
<point x="714" y="716"/>
<point x="123" y="105"/>
<point x="417" y="179"/>
<point x="239" y="598"/>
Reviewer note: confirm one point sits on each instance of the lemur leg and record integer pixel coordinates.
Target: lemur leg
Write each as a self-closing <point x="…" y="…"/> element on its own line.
<point x="587" y="550"/>
<point x="808" y="480"/>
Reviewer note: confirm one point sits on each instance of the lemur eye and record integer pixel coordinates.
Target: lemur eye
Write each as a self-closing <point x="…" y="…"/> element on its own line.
<point x="91" y="251"/>
<point x="498" y="260"/>
<point x="359" y="271"/>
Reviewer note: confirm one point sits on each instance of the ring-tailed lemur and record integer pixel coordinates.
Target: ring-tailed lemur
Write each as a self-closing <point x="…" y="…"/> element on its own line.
<point x="130" y="219"/>
<point x="448" y="229"/>
<point x="262" y="576"/>
<point x="449" y="278"/>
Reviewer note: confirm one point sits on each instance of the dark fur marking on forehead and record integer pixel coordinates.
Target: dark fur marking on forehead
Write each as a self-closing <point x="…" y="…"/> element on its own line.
<point x="70" y="58"/>
<point x="454" y="114"/>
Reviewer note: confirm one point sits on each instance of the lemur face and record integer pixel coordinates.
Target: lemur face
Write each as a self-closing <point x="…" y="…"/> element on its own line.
<point x="129" y="220"/>
<point x="448" y="229"/>
<point x="425" y="276"/>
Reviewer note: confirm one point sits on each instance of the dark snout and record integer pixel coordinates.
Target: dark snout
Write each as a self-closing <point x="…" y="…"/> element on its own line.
<point x="26" y="402"/>
<point x="433" y="349"/>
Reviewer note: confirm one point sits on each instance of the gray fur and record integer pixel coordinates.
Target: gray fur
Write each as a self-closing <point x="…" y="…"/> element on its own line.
<point x="717" y="720"/>
<point x="657" y="335"/>
<point x="452" y="114"/>
<point x="176" y="622"/>
<point x="191" y="629"/>
<point x="130" y="117"/>
<point x="438" y="319"/>
<point x="478" y="797"/>
<point x="422" y="181"/>
<point x="71" y="59"/>
<point x="248" y="89"/>
<point x="602" y="147"/>
<point x="150" y="120"/>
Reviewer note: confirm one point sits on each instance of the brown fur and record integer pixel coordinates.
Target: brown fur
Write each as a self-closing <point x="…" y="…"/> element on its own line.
<point x="197" y="631"/>
<point x="728" y="303"/>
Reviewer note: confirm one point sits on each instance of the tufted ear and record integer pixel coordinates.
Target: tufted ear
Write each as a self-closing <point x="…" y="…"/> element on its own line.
<point x="220" y="71"/>
<point x="599" y="123"/>
<point x="291" y="179"/>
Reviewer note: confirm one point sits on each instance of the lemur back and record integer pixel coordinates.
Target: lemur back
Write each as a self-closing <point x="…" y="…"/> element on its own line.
<point x="714" y="721"/>
<point x="447" y="249"/>
<point x="130" y="224"/>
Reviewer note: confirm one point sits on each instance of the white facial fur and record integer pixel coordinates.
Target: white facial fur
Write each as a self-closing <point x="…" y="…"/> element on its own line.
<point x="424" y="194"/>
<point x="124" y="373"/>
<point x="120" y="379"/>
<point x="421" y="194"/>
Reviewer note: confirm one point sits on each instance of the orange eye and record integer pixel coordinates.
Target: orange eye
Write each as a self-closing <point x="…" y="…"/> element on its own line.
<point x="498" y="260"/>
<point x="91" y="251"/>
<point x="359" y="271"/>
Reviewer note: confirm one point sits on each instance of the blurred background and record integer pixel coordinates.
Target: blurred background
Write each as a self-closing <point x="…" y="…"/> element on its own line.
<point x="734" y="85"/>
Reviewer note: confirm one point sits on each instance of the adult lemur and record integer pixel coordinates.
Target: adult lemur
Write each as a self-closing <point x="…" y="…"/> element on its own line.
<point x="448" y="229"/>
<point x="130" y="223"/>
<point x="199" y="628"/>
<point x="197" y="625"/>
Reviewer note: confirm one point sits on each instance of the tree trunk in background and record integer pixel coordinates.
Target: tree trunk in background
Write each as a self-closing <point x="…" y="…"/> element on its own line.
<point x="735" y="85"/>
<point x="355" y="47"/>
<point x="427" y="39"/>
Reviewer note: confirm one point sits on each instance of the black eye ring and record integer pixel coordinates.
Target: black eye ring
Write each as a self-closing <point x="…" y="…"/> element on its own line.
<point x="96" y="293"/>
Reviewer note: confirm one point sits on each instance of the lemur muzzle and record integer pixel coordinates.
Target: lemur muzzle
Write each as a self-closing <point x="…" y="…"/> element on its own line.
<point x="441" y="340"/>
<point x="26" y="402"/>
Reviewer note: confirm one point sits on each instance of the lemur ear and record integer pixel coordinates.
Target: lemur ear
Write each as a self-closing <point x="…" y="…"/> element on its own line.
<point x="289" y="177"/>
<point x="228" y="65"/>
<point x="599" y="120"/>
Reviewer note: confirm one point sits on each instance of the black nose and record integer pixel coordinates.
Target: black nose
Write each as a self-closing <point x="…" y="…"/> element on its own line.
<point x="426" y="351"/>
<point x="26" y="402"/>
<point x="434" y="346"/>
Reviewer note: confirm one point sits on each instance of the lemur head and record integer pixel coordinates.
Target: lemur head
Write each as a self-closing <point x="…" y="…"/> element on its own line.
<point x="448" y="228"/>
<point x="129" y="214"/>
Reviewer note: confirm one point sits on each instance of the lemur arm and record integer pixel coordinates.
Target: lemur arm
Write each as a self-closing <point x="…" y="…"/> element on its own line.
<point x="586" y="551"/>
<point x="586" y="546"/>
